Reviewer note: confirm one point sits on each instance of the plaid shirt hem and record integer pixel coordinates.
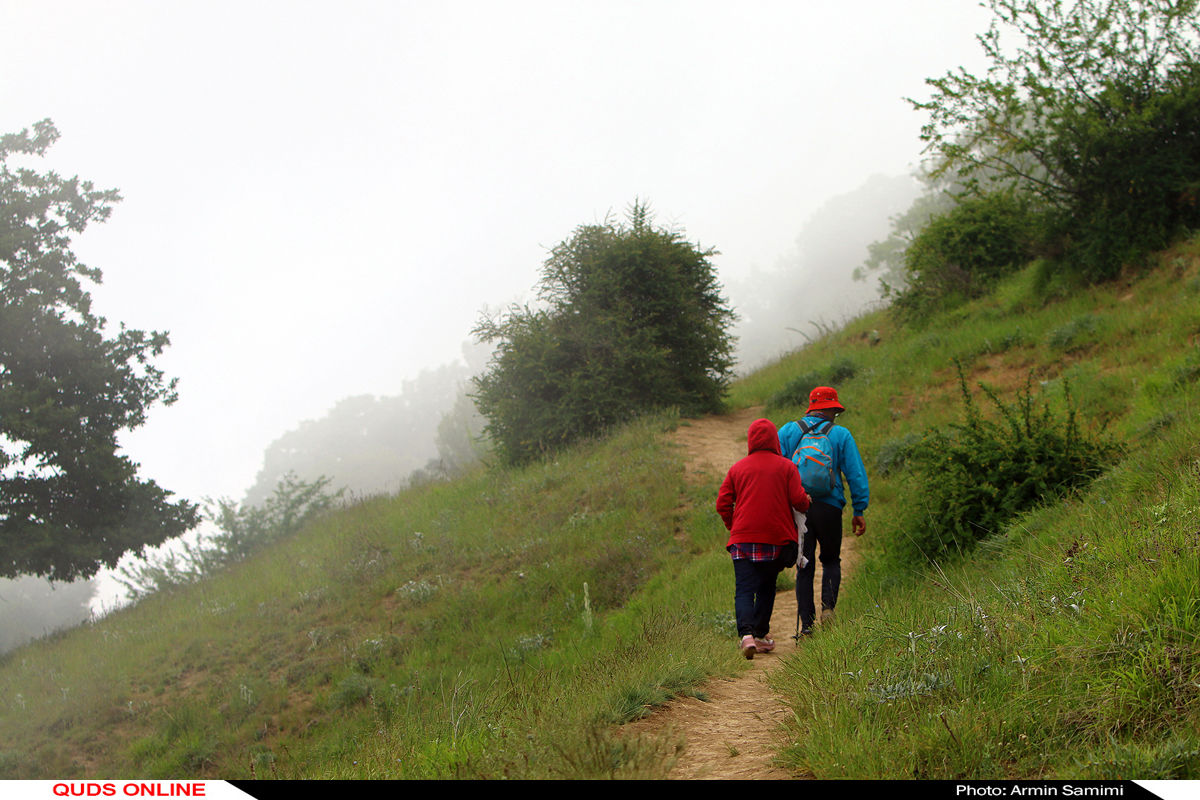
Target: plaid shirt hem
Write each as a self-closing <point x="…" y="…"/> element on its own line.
<point x="754" y="551"/>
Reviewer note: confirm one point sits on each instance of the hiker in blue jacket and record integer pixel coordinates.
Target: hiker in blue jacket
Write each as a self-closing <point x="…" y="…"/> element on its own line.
<point x="825" y="513"/>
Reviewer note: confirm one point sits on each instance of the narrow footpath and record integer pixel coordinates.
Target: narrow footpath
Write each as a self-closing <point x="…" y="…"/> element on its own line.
<point x="736" y="732"/>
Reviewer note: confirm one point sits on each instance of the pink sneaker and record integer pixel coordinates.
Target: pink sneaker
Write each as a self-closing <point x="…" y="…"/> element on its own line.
<point x="749" y="645"/>
<point x="764" y="645"/>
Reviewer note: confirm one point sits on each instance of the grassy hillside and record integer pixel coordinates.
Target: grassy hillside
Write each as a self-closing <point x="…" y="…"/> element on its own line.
<point x="500" y="625"/>
<point x="1066" y="644"/>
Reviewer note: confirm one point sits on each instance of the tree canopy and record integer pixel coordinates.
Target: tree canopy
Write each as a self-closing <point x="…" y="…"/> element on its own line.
<point x="1090" y="106"/>
<point x="632" y="319"/>
<point x="69" y="502"/>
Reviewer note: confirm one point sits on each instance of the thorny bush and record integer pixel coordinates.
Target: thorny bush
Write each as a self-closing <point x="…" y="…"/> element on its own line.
<point x="976" y="476"/>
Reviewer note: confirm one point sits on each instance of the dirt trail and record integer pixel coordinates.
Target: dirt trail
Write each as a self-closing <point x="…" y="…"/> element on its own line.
<point x="737" y="731"/>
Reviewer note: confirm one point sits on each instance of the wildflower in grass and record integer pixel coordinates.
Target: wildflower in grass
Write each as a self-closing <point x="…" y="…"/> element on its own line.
<point x="417" y="590"/>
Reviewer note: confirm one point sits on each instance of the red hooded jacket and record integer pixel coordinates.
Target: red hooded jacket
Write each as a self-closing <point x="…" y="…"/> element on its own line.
<point x="759" y="492"/>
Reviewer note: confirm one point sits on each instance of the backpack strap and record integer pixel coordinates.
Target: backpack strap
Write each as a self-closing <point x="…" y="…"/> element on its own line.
<point x="806" y="430"/>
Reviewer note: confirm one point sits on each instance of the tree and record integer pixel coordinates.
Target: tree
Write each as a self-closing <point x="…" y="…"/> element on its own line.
<point x="458" y="435"/>
<point x="69" y="503"/>
<point x="1095" y="113"/>
<point x="632" y="320"/>
<point x="886" y="256"/>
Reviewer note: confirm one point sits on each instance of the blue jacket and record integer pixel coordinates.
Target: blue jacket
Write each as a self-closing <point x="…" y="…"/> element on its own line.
<point x="848" y="464"/>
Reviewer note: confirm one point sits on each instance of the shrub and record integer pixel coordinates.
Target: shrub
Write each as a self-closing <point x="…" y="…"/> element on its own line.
<point x="961" y="253"/>
<point x="1076" y="334"/>
<point x="978" y="475"/>
<point x="241" y="531"/>
<point x="797" y="390"/>
<point x="1136" y="181"/>
<point x="894" y="454"/>
<point x="633" y="321"/>
<point x="1189" y="371"/>
<point x="842" y="369"/>
<point x="351" y="691"/>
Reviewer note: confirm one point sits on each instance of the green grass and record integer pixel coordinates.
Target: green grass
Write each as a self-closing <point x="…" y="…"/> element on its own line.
<point x="440" y="633"/>
<point x="505" y="624"/>
<point x="1067" y="645"/>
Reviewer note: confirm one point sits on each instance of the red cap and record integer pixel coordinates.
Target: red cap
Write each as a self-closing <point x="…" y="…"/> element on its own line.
<point x="824" y="397"/>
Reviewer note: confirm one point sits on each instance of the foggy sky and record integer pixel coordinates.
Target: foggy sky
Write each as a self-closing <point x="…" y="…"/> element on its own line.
<point x="320" y="198"/>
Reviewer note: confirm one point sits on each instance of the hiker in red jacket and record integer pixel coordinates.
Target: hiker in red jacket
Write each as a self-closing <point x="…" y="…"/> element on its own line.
<point x="756" y="501"/>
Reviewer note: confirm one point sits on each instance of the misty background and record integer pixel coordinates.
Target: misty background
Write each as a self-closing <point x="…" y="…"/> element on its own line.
<point x="320" y="199"/>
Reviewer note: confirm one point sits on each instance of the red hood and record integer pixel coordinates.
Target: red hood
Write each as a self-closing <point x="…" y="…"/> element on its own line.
<point x="763" y="436"/>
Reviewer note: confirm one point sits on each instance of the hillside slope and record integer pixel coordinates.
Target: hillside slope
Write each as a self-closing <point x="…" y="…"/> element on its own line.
<point x="495" y="625"/>
<point x="1067" y="644"/>
<point x="502" y="624"/>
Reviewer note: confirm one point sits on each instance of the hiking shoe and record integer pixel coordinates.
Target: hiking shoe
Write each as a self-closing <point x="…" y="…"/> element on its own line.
<point x="807" y="631"/>
<point x="748" y="646"/>
<point x="764" y="645"/>
<point x="826" y="614"/>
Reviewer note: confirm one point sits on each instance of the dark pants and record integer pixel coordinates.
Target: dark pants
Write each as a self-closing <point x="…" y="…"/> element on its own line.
<point x="824" y="528"/>
<point x="754" y="595"/>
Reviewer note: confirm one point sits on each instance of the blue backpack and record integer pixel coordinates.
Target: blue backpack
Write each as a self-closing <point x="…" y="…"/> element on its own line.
<point x="814" y="458"/>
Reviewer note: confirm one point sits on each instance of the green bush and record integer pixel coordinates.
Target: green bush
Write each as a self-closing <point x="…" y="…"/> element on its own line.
<point x="977" y="475"/>
<point x="1136" y="181"/>
<point x="961" y="253"/>
<point x="633" y="321"/>
<point x="352" y="690"/>
<point x="795" y="393"/>
<point x="842" y="369"/>
<point x="1076" y="334"/>
<point x="1189" y="371"/>
<point x="894" y="454"/>
<point x="241" y="531"/>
